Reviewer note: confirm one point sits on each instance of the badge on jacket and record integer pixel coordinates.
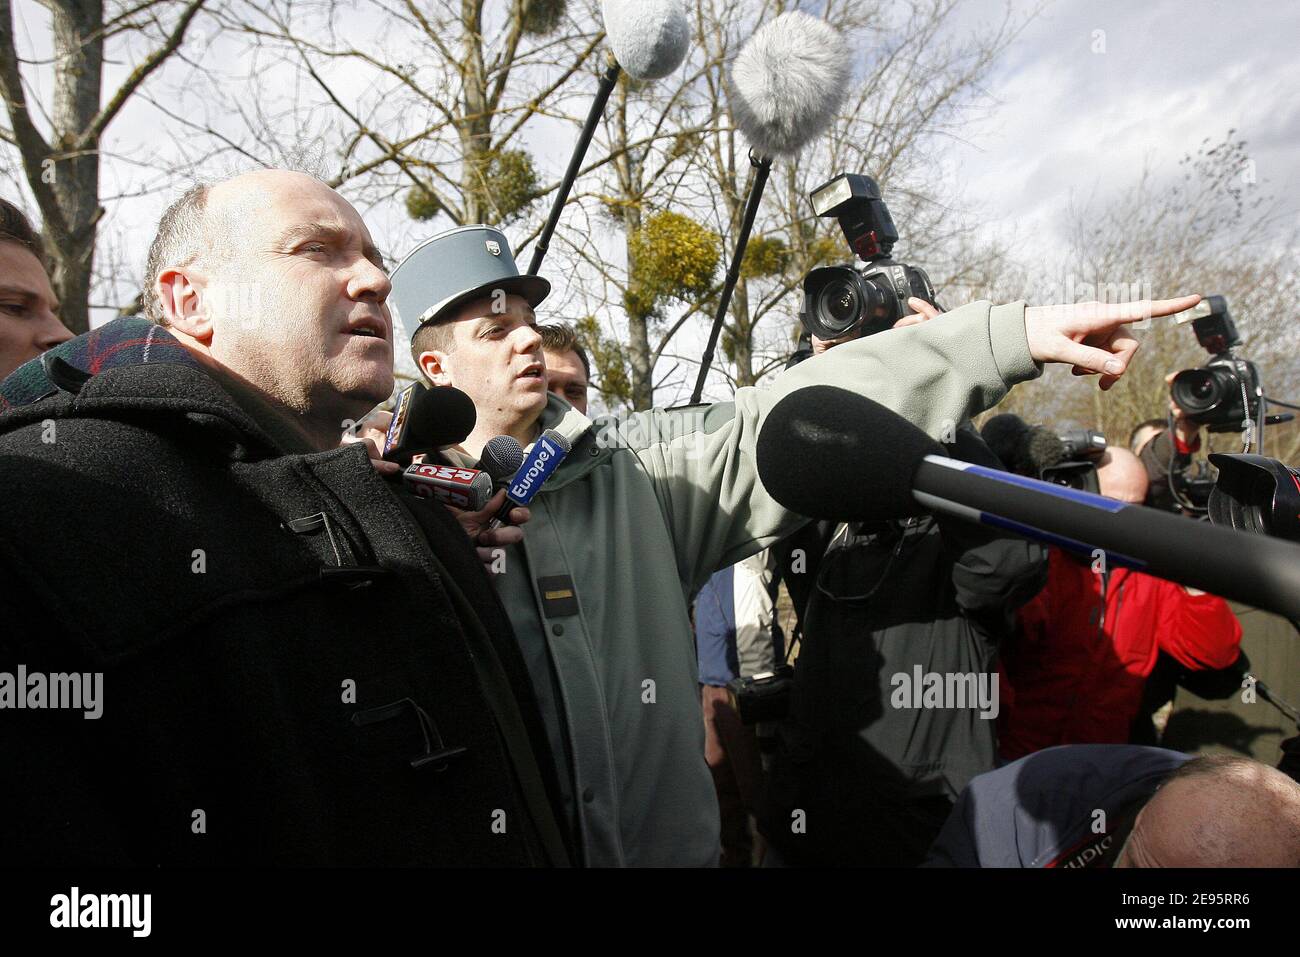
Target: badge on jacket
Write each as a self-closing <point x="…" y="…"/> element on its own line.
<point x="559" y="597"/>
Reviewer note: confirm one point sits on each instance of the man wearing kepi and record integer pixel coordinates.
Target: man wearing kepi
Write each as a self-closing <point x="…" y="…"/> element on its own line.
<point x="300" y="664"/>
<point x="643" y="510"/>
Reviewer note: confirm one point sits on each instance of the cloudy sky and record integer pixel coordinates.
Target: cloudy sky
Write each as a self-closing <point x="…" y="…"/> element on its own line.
<point x="1092" y="90"/>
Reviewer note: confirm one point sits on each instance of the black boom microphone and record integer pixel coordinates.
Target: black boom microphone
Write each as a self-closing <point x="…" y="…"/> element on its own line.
<point x="832" y="454"/>
<point x="787" y="84"/>
<point x="649" y="39"/>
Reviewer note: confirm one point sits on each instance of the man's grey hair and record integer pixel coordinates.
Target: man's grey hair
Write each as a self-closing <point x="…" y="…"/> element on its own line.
<point x="183" y="235"/>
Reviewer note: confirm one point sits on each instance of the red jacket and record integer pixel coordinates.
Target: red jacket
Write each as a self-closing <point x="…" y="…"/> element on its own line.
<point x="1074" y="675"/>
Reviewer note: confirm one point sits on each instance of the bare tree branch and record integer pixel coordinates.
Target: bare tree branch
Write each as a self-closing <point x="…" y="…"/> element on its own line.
<point x="90" y="137"/>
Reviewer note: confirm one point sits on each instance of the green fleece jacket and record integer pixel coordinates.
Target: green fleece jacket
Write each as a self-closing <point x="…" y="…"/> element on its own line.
<point x="642" y="511"/>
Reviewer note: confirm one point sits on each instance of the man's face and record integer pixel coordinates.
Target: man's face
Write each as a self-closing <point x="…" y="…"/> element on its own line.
<point x="29" y="322"/>
<point x="496" y="357"/>
<point x="298" y="301"/>
<point x="566" y="377"/>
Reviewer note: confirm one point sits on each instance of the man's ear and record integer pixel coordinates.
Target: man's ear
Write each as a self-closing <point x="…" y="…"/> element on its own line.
<point x="180" y="292"/>
<point x="434" y="364"/>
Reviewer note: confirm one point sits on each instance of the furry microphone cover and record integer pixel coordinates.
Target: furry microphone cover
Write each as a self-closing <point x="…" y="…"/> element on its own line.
<point x="649" y="37"/>
<point x="788" y="82"/>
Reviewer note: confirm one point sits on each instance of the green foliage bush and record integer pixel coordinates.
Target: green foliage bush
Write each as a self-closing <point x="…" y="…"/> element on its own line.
<point x="674" y="258"/>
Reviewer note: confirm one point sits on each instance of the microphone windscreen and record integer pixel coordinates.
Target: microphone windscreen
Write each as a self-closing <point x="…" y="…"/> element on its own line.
<point x="825" y="452"/>
<point x="788" y="82"/>
<point x="1004" y="434"/>
<point x="649" y="37"/>
<point x="440" y="416"/>
<point x="502" y="456"/>
<point x="1042" y="450"/>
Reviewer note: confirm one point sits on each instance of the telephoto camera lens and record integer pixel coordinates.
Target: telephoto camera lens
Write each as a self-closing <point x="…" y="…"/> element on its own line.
<point x="1256" y="494"/>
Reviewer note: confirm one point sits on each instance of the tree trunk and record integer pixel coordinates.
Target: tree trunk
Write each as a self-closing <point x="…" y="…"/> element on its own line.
<point x="475" y="122"/>
<point x="629" y="170"/>
<point x="74" y="174"/>
<point x="742" y="336"/>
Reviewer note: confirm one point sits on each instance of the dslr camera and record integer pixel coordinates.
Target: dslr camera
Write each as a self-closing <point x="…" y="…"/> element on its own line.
<point x="871" y="293"/>
<point x="1225" y="394"/>
<point x="1081" y="450"/>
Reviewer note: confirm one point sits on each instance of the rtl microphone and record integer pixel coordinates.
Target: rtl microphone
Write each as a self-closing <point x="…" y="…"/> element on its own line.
<point x="829" y="453"/>
<point x="469" y="489"/>
<point x="539" y="465"/>
<point x="425" y="420"/>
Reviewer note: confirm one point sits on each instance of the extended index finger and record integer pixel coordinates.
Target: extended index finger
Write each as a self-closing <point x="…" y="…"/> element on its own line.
<point x="1104" y="314"/>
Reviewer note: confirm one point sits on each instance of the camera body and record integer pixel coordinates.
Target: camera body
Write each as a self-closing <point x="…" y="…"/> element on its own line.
<point x="1224" y="394"/>
<point x="1195" y="484"/>
<point x="762" y="697"/>
<point x="1078" y="469"/>
<point x="871" y="293"/>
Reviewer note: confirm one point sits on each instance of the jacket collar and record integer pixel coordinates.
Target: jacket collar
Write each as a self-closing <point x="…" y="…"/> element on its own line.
<point x="66" y="367"/>
<point x="131" y="364"/>
<point x="557" y="415"/>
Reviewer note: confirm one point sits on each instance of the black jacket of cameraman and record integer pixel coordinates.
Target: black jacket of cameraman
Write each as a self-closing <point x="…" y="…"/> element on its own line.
<point x="1162" y="457"/>
<point x="874" y="780"/>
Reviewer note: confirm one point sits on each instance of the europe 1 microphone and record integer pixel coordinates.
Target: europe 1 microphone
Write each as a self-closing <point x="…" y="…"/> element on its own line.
<point x="539" y="464"/>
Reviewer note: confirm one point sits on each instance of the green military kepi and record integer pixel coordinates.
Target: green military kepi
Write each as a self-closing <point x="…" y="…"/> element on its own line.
<point x="452" y="268"/>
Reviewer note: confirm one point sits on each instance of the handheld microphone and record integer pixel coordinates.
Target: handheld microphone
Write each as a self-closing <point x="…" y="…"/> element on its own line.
<point x="502" y="456"/>
<point x="427" y="419"/>
<point x="648" y="39"/>
<point x="830" y="453"/>
<point x="787" y="85"/>
<point x="539" y="465"/>
<point x="469" y="489"/>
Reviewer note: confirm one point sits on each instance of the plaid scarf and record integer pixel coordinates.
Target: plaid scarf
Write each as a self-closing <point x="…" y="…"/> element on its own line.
<point x="122" y="342"/>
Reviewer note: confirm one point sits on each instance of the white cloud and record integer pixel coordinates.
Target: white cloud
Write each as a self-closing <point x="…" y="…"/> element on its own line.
<point x="1074" y="121"/>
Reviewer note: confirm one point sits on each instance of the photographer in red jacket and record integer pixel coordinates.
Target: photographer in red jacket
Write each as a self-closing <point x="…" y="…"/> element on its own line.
<point x="1087" y="643"/>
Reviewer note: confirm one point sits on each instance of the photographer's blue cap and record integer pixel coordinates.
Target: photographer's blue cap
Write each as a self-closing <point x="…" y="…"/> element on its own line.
<point x="452" y="268"/>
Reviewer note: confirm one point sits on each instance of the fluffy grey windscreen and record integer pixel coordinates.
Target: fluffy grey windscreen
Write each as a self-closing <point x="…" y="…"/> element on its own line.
<point x="649" y="37"/>
<point x="788" y="82"/>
